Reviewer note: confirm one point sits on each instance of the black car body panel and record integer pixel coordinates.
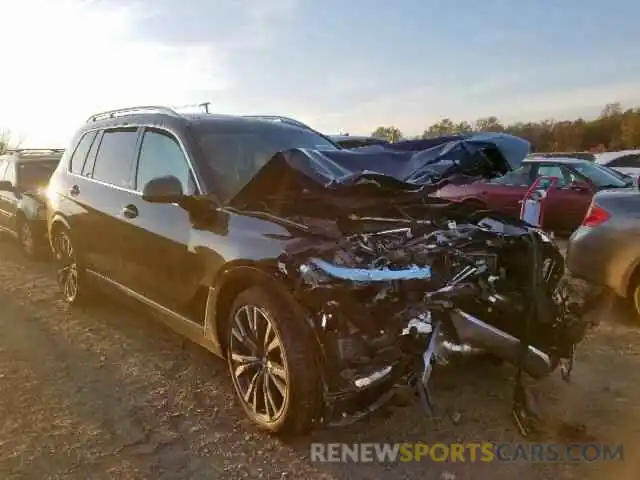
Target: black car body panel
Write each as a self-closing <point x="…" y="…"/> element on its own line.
<point x="351" y="237"/>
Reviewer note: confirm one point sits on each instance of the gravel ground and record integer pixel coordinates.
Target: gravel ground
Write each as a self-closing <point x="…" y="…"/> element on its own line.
<point x="109" y="392"/>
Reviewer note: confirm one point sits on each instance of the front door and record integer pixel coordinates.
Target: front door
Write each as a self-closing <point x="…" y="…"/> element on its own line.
<point x="504" y="194"/>
<point x="565" y="205"/>
<point x="166" y="268"/>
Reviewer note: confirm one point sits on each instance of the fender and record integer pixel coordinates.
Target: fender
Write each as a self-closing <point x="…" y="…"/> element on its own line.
<point x="236" y="277"/>
<point x="56" y="219"/>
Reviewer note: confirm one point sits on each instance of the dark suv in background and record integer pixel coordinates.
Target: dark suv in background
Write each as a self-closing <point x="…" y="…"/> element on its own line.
<point x="24" y="176"/>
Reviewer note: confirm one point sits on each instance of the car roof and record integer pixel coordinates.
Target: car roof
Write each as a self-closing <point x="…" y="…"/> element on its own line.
<point x="563" y="160"/>
<point x="606" y="157"/>
<point x="340" y="138"/>
<point x="28" y="155"/>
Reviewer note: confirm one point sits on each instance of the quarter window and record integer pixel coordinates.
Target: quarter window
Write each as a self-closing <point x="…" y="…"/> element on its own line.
<point x="115" y="158"/>
<point x="80" y="155"/>
<point x="161" y="155"/>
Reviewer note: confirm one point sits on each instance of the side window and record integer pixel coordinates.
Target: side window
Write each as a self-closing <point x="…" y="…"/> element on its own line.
<point x="3" y="168"/>
<point x="80" y="154"/>
<point x="115" y="158"/>
<point x="519" y="177"/>
<point x="161" y="154"/>
<point x="554" y="171"/>
<point x="626" y="161"/>
<point x="90" y="161"/>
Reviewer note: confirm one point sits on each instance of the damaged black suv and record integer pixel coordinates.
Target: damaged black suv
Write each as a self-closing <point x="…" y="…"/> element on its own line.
<point x="326" y="278"/>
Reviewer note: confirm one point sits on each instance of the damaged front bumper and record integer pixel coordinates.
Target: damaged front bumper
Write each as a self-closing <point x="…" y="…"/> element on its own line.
<point x="387" y="311"/>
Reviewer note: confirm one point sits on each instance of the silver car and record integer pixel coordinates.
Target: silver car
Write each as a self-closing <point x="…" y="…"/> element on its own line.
<point x="624" y="161"/>
<point x="605" y="249"/>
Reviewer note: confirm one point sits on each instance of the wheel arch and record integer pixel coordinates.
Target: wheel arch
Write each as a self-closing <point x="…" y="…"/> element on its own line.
<point x="235" y="278"/>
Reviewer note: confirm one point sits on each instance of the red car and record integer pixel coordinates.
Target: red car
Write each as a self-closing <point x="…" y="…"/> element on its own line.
<point x="566" y="205"/>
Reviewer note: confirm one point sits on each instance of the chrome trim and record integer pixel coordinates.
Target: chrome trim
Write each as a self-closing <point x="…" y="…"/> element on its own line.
<point x="132" y="111"/>
<point x="168" y="130"/>
<point x="476" y="333"/>
<point x="105" y="184"/>
<point x="141" y="298"/>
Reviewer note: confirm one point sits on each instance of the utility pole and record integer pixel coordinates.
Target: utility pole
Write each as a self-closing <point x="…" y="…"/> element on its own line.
<point x="205" y="105"/>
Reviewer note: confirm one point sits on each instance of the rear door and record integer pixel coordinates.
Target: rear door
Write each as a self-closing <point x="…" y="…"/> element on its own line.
<point x="104" y="188"/>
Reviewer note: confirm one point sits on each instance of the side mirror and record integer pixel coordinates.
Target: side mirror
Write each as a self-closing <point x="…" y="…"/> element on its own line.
<point x="6" y="186"/>
<point x="580" y="186"/>
<point x="167" y="189"/>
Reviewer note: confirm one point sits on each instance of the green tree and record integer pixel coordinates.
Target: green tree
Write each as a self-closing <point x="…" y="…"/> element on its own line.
<point x="390" y="133"/>
<point x="630" y="129"/>
<point x="488" y="124"/>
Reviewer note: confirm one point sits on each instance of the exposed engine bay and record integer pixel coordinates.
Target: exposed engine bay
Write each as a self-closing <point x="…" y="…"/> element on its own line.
<point x="394" y="281"/>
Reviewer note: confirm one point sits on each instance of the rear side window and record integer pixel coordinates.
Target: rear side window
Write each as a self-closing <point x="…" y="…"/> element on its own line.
<point x="80" y="155"/>
<point x="626" y="161"/>
<point x="115" y="159"/>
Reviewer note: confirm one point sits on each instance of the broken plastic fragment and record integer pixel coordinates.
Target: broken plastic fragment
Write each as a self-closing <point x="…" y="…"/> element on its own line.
<point x="372" y="275"/>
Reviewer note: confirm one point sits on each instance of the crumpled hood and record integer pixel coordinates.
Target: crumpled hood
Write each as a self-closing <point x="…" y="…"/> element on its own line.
<point x="403" y="167"/>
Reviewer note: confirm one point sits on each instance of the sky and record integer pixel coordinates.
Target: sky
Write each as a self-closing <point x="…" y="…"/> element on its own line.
<point x="336" y="65"/>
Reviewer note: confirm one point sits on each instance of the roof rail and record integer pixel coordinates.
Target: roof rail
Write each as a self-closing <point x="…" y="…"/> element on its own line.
<point x="133" y="111"/>
<point x="35" y="150"/>
<point x="278" y="118"/>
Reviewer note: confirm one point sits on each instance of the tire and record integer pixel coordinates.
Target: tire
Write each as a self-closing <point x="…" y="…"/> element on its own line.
<point x="633" y="300"/>
<point x="286" y="379"/>
<point x="70" y="276"/>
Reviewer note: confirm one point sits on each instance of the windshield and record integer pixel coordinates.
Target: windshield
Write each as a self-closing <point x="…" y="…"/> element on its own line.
<point x="235" y="156"/>
<point x="601" y="176"/>
<point x="33" y="176"/>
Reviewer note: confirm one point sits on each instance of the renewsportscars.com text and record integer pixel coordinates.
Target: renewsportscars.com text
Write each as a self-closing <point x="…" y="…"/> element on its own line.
<point x="465" y="452"/>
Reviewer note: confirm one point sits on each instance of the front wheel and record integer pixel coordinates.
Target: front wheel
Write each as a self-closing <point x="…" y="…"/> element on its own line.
<point x="633" y="302"/>
<point x="269" y="356"/>
<point x="70" y="276"/>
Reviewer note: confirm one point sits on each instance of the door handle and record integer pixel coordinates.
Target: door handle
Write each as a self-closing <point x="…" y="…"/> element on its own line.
<point x="75" y="190"/>
<point x="130" y="211"/>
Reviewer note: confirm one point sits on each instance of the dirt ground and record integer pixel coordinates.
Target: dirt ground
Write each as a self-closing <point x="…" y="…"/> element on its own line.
<point x="109" y="392"/>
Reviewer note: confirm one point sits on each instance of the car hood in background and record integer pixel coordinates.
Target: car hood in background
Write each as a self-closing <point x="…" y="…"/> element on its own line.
<point x="404" y="167"/>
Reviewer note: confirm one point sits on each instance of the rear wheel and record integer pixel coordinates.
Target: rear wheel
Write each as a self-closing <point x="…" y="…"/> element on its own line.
<point x="70" y="276"/>
<point x="270" y="360"/>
